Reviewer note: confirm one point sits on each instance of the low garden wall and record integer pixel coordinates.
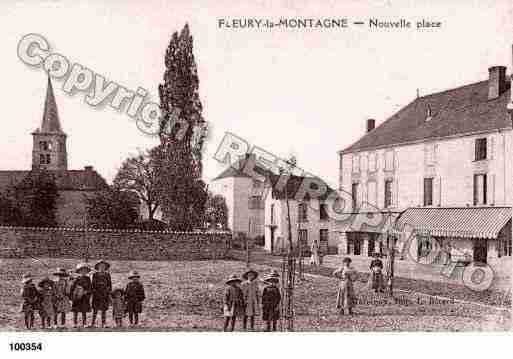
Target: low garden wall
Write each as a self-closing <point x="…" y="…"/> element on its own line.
<point x="112" y="244"/>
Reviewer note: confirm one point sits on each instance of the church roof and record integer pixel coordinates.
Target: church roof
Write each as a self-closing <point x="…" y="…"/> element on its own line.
<point x="51" y="123"/>
<point x="69" y="180"/>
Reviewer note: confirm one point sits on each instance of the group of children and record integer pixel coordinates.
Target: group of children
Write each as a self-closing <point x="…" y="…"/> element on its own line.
<point x="55" y="298"/>
<point x="242" y="299"/>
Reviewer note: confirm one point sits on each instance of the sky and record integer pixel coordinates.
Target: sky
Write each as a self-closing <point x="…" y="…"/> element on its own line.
<point x="306" y="92"/>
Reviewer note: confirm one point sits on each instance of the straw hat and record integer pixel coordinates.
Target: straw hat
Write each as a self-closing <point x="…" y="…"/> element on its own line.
<point x="273" y="277"/>
<point x="81" y="266"/>
<point x="133" y="274"/>
<point x="101" y="261"/>
<point x="61" y="272"/>
<point x="233" y="278"/>
<point x="45" y="280"/>
<point x="246" y="274"/>
<point x="27" y="277"/>
<point x="346" y="260"/>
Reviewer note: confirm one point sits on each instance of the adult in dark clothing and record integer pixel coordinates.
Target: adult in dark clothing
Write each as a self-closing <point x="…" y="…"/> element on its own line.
<point x="377" y="282"/>
<point x="81" y="294"/>
<point x="271" y="299"/>
<point x="30" y="297"/>
<point x="101" y="289"/>
<point x="134" y="296"/>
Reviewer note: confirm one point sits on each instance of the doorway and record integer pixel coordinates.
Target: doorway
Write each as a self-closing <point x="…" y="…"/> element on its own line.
<point x="480" y="251"/>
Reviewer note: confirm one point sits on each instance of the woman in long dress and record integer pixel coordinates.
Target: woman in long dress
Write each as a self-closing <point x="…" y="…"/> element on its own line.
<point x="345" y="297"/>
<point x="314" y="259"/>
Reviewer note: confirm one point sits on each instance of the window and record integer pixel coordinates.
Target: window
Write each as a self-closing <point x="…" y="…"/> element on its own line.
<point x="62" y="147"/>
<point x="372" y="162"/>
<point x="428" y="191"/>
<point x="302" y="212"/>
<point x="372" y="192"/>
<point x="323" y="212"/>
<point x="356" y="164"/>
<point x="256" y="184"/>
<point x="45" y="146"/>
<point x="430" y="154"/>
<point x="504" y="248"/>
<point x="354" y="243"/>
<point x="255" y="202"/>
<point x="44" y="159"/>
<point x="480" y="149"/>
<point x="389" y="161"/>
<point x="272" y="213"/>
<point x="323" y="240"/>
<point x="479" y="189"/>
<point x="354" y="194"/>
<point x="388" y="192"/>
<point x="303" y="239"/>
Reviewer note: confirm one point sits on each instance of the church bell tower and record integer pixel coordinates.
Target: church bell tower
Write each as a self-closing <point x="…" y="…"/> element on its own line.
<point x="49" y="141"/>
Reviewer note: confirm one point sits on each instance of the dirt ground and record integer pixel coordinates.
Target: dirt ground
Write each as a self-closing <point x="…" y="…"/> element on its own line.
<point x="187" y="296"/>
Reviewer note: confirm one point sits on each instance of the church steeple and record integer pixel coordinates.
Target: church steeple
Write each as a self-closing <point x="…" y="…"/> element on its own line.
<point x="49" y="145"/>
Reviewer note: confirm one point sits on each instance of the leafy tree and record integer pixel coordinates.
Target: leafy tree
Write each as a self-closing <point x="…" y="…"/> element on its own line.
<point x="183" y="131"/>
<point x="36" y="198"/>
<point x="10" y="212"/>
<point x="113" y="208"/>
<point x="216" y="211"/>
<point x="138" y="174"/>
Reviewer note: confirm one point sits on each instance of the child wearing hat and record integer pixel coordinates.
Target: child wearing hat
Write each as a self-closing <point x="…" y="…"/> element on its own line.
<point x="81" y="293"/>
<point x="118" y="306"/>
<point x="251" y="297"/>
<point x="134" y="296"/>
<point x="271" y="299"/>
<point x="62" y="294"/>
<point x="47" y="302"/>
<point x="101" y="285"/>
<point x="233" y="303"/>
<point x="30" y="297"/>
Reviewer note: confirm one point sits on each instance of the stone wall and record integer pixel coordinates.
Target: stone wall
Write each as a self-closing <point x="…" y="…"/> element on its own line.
<point x="111" y="244"/>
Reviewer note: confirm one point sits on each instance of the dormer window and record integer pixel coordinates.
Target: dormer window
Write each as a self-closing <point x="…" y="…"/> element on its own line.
<point x="429" y="114"/>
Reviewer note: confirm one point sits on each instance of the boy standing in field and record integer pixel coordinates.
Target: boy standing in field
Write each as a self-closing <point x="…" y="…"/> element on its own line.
<point x="271" y="299"/>
<point x="118" y="306"/>
<point x="233" y="302"/>
<point x="30" y="297"/>
<point x="47" y="302"/>
<point x="81" y="294"/>
<point x="251" y="297"/>
<point x="134" y="296"/>
<point x="101" y="286"/>
<point x="62" y="293"/>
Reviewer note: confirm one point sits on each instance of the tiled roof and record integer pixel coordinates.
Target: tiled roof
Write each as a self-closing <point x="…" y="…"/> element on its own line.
<point x="467" y="222"/>
<point x="461" y="110"/>
<point x="65" y="180"/>
<point x="293" y="186"/>
<point x="237" y="169"/>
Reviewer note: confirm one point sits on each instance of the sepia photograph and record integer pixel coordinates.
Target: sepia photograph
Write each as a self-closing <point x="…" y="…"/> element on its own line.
<point x="259" y="167"/>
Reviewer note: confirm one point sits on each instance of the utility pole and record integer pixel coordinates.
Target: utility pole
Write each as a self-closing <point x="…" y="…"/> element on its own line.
<point x="391" y="253"/>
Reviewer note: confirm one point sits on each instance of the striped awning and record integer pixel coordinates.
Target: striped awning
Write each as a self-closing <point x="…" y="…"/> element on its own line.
<point x="466" y="222"/>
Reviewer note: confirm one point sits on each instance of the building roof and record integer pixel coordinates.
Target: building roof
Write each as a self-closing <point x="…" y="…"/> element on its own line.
<point x="72" y="180"/>
<point x="237" y="169"/>
<point x="50" y="123"/>
<point x="462" y="110"/>
<point x="466" y="222"/>
<point x="293" y="186"/>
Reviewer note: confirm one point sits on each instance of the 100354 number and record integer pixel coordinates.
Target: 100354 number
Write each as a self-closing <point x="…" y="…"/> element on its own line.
<point x="15" y="347"/>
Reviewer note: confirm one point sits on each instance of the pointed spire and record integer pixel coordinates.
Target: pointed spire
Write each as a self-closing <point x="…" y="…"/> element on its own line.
<point x="51" y="122"/>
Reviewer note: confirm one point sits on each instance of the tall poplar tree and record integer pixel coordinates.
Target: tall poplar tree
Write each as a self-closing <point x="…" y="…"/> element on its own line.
<point x="182" y="134"/>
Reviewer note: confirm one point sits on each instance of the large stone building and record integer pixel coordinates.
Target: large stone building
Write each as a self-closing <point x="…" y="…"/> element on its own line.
<point x="442" y="165"/>
<point x="49" y="152"/>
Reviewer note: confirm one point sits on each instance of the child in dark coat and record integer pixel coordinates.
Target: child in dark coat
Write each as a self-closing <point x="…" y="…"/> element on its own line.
<point x="101" y="286"/>
<point x="134" y="296"/>
<point x="233" y="303"/>
<point x="81" y="294"/>
<point x="30" y="297"/>
<point x="271" y="299"/>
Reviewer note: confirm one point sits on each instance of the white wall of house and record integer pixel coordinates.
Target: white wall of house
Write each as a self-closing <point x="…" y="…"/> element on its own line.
<point x="237" y="191"/>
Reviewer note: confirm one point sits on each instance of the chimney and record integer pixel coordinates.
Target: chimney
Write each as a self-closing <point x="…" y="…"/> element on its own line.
<point x="496" y="81"/>
<point x="371" y="123"/>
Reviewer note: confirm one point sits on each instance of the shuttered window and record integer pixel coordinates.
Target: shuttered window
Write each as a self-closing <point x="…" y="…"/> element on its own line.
<point x="480" y="149"/>
<point x="428" y="191"/>
<point x="479" y="189"/>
